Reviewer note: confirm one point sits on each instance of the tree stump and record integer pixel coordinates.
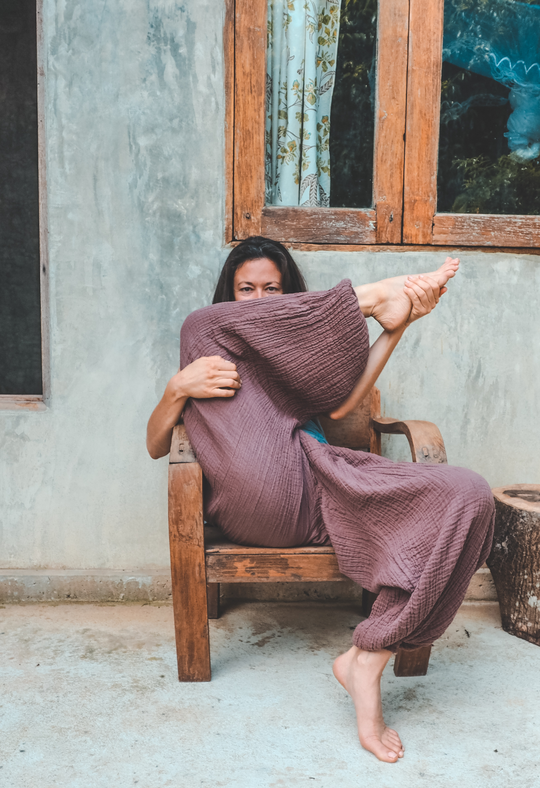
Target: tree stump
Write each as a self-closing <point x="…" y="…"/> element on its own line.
<point x="515" y="559"/>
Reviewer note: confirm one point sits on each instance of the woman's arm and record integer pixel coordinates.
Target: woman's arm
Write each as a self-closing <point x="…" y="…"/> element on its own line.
<point x="209" y="376"/>
<point x="379" y="353"/>
<point x="423" y="293"/>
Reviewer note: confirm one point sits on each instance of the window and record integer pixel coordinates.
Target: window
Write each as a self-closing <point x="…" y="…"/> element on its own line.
<point x="21" y="377"/>
<point x="389" y="122"/>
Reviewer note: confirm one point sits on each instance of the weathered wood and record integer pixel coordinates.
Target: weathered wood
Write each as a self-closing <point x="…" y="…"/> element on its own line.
<point x="302" y="247"/>
<point x="181" y="448"/>
<point x="286" y="566"/>
<point x="486" y="230"/>
<point x="216" y="544"/>
<point x="249" y="116"/>
<point x="406" y="663"/>
<point x="319" y="225"/>
<point x="368" y="600"/>
<point x="42" y="54"/>
<point x="425" y="440"/>
<point x="412" y="662"/>
<point x="515" y="559"/>
<point x="423" y="108"/>
<point x="228" y="62"/>
<point x="186" y="538"/>
<point x="390" y="103"/>
<point x="202" y="558"/>
<point x="355" y="431"/>
<point x="213" y="597"/>
<point x="375" y="412"/>
<point x="22" y="402"/>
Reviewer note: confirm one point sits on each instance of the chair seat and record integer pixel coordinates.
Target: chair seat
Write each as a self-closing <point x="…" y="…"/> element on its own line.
<point x="227" y="562"/>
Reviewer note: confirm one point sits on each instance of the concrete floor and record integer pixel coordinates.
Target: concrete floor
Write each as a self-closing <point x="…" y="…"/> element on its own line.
<point x="90" y="699"/>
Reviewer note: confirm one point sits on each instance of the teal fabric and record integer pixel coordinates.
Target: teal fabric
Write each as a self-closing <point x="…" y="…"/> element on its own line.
<point x="313" y="428"/>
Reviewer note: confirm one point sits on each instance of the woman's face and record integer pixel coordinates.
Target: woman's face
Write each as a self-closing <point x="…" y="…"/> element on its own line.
<point x="257" y="279"/>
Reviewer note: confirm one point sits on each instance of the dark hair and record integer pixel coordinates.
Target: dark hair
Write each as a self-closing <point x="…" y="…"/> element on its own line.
<point x="255" y="248"/>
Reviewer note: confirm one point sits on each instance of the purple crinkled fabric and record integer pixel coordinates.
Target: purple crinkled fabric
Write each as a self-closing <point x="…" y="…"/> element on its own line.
<point x="415" y="534"/>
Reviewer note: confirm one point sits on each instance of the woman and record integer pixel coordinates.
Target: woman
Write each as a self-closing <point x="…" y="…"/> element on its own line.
<point x="254" y="376"/>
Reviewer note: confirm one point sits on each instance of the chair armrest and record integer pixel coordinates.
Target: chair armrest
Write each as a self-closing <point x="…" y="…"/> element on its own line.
<point x="425" y="440"/>
<point x="181" y="448"/>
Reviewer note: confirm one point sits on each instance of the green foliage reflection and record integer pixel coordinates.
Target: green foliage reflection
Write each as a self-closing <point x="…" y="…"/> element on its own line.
<point x="352" y="117"/>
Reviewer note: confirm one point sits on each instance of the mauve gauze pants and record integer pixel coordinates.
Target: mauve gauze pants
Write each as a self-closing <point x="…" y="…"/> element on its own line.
<point x="414" y="534"/>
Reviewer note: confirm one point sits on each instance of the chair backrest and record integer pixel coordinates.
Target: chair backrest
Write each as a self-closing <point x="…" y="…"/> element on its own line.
<point x="355" y="431"/>
<point x="352" y="432"/>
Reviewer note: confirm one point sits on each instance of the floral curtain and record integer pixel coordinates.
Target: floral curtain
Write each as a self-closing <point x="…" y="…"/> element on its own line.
<point x="301" y="69"/>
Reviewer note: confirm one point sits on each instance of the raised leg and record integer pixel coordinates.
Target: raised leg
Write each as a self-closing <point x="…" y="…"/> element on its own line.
<point x="212" y="594"/>
<point x="188" y="570"/>
<point x="412" y="663"/>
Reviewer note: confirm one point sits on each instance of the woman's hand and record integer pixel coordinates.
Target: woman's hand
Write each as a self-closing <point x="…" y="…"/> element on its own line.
<point x="209" y="376"/>
<point x="424" y="293"/>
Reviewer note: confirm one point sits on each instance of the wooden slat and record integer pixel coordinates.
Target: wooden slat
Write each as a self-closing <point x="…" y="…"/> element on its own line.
<point x="228" y="58"/>
<point x="186" y="538"/>
<point x="213" y="598"/>
<point x="319" y="225"/>
<point x="181" y="449"/>
<point x="368" y="600"/>
<point x="375" y="412"/>
<point x="391" y="100"/>
<point x="406" y="248"/>
<point x="353" y="431"/>
<point x="422" y="130"/>
<point x="42" y="54"/>
<point x="486" y="230"/>
<point x="412" y="662"/>
<point x="22" y="402"/>
<point x="249" y="116"/>
<point x="260" y="567"/>
<point x="216" y="543"/>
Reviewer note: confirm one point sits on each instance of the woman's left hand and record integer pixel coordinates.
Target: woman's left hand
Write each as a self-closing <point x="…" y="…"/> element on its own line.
<point x="424" y="293"/>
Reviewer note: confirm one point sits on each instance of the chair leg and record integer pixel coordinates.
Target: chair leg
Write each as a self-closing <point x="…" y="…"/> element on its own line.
<point x="188" y="570"/>
<point x="412" y="663"/>
<point x="368" y="600"/>
<point x="212" y="594"/>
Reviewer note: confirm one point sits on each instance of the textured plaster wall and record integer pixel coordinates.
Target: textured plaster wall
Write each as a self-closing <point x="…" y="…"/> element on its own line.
<point x="134" y="122"/>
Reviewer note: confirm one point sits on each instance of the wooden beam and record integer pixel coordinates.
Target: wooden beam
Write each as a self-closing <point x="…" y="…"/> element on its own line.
<point x="422" y="128"/>
<point x="249" y="116"/>
<point x="271" y="567"/>
<point x="228" y="62"/>
<point x="412" y="662"/>
<point x="186" y="539"/>
<point x="319" y="225"/>
<point x="486" y="230"/>
<point x="391" y="102"/>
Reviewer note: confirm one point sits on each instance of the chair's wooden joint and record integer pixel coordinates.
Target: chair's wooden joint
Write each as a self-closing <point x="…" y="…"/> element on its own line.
<point x="181" y="448"/>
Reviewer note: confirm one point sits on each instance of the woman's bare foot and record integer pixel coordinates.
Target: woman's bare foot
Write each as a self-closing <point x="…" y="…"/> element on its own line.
<point x="359" y="672"/>
<point x="387" y="301"/>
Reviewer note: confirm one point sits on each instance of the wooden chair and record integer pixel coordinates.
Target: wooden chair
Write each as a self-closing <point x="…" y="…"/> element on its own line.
<point x="201" y="558"/>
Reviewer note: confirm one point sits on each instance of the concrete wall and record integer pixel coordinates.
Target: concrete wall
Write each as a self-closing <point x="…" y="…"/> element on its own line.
<point x="134" y="122"/>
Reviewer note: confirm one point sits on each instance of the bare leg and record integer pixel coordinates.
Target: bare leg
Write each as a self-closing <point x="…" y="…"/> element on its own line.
<point x="387" y="301"/>
<point x="360" y="672"/>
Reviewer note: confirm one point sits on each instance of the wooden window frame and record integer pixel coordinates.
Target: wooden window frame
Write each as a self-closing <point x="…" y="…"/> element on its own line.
<point x="38" y="402"/>
<point x="407" y="111"/>
<point x="421" y="222"/>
